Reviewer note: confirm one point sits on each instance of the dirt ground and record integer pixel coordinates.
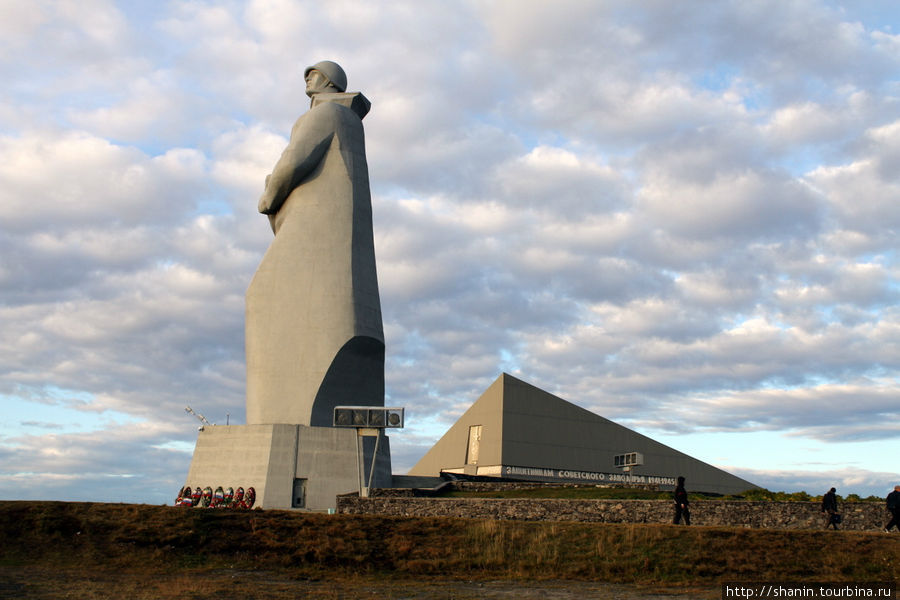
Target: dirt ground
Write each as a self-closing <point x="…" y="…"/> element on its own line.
<point x="27" y="582"/>
<point x="499" y="590"/>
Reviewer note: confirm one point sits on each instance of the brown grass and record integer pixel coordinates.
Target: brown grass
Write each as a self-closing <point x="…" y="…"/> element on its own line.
<point x="164" y="552"/>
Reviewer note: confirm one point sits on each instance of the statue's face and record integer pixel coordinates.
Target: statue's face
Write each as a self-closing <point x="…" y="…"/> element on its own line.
<point x="316" y="83"/>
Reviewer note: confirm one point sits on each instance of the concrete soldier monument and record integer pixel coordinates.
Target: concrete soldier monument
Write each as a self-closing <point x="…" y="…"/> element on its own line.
<point x="313" y="322"/>
<point x="314" y="337"/>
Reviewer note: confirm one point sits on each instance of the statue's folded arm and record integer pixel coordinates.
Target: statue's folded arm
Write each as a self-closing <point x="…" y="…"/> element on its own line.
<point x="309" y="142"/>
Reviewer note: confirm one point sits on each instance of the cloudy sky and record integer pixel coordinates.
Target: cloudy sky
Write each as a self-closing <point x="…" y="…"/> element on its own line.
<point x="683" y="216"/>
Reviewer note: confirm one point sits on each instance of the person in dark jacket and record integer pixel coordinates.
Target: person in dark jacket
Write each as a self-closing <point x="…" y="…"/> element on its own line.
<point x="830" y="509"/>
<point x="681" y="503"/>
<point x="893" y="506"/>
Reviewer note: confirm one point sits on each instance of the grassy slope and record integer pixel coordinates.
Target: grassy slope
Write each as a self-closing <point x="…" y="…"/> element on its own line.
<point x="87" y="537"/>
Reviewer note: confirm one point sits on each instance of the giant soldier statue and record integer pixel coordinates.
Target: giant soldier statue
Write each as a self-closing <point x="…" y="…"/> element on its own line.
<point x="314" y="337"/>
<point x="313" y="322"/>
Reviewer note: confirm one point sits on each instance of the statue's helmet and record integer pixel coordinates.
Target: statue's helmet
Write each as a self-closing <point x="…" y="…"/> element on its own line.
<point x="332" y="71"/>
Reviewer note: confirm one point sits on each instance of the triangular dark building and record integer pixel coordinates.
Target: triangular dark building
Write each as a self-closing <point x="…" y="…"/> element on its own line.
<point x="517" y="431"/>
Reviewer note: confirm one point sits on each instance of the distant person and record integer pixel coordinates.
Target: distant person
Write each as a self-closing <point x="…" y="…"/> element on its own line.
<point x="893" y="506"/>
<point x="681" y="503"/>
<point x="830" y="509"/>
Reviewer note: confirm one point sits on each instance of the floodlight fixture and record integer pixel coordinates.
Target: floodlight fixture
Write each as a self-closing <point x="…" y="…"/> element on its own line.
<point x="368" y="417"/>
<point x="376" y="418"/>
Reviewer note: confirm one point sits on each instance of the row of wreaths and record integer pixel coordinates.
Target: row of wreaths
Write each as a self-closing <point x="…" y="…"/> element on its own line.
<point x="220" y="498"/>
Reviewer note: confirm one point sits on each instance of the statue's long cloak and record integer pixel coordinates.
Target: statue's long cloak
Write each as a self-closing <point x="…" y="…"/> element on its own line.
<point x="314" y="336"/>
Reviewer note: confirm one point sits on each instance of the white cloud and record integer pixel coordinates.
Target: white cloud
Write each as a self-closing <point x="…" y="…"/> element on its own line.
<point x="150" y="109"/>
<point x="119" y="463"/>
<point x="736" y="205"/>
<point x="18" y="21"/>
<point x="863" y="482"/>
<point x="861" y="198"/>
<point x="77" y="178"/>
<point x="559" y="182"/>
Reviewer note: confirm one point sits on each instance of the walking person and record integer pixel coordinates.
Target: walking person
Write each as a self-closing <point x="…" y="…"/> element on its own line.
<point x="830" y="509"/>
<point x="893" y="506"/>
<point x="681" y="503"/>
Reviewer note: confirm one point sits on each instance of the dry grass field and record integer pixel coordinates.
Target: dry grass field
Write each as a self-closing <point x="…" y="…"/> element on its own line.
<point x="93" y="550"/>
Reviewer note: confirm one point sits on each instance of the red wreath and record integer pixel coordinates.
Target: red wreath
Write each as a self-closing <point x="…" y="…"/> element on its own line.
<point x="218" y="498"/>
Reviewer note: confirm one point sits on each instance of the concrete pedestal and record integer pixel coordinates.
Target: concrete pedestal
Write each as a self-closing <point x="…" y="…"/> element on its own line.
<point x="289" y="466"/>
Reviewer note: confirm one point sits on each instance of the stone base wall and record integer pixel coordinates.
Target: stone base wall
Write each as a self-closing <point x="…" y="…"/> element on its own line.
<point x="858" y="516"/>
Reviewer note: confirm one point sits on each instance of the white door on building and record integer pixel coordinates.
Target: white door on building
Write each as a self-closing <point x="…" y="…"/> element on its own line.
<point x="474" y="444"/>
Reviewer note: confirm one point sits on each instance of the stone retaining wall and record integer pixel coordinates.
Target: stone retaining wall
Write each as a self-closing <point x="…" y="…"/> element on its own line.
<point x="858" y="516"/>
